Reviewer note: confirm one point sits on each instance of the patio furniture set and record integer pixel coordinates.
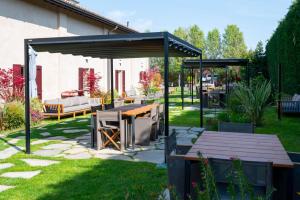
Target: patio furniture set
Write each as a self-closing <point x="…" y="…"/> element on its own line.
<point x="69" y="106"/>
<point x="265" y="163"/>
<point x="290" y="105"/>
<point x="126" y="126"/>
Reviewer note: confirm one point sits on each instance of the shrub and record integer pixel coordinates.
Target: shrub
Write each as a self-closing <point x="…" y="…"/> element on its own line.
<point x="253" y="100"/>
<point x="36" y="111"/>
<point x="14" y="115"/>
<point x="36" y="104"/>
<point x="11" y="87"/>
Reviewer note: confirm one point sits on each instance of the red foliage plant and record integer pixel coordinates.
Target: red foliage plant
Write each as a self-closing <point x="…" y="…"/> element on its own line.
<point x="93" y="82"/>
<point x="151" y="80"/>
<point x="11" y="87"/>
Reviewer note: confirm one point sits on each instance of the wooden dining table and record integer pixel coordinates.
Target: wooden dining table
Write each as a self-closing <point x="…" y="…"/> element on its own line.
<point x="248" y="147"/>
<point x="129" y="113"/>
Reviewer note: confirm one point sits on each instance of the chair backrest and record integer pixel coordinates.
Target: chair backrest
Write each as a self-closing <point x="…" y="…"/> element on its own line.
<point x="236" y="127"/>
<point x="161" y="108"/>
<point x="104" y="117"/>
<point x="170" y="143"/>
<point x="154" y="113"/>
<point x="257" y="173"/>
<point x="118" y="104"/>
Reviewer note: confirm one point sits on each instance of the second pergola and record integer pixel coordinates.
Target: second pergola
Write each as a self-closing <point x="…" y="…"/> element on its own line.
<point x="198" y="65"/>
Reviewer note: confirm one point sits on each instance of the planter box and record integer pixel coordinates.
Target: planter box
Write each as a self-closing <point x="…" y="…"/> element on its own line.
<point x="236" y="127"/>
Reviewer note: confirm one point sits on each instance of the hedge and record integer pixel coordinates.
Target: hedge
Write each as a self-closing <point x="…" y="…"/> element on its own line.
<point x="284" y="48"/>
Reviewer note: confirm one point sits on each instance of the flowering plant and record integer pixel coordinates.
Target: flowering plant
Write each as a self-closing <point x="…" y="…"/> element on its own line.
<point x="151" y="81"/>
<point x="93" y="82"/>
<point x="11" y="86"/>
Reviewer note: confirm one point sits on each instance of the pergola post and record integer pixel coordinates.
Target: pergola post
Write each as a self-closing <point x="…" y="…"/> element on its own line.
<point x="201" y="92"/>
<point x="27" y="97"/>
<point x="192" y="86"/>
<point x="279" y="92"/>
<point x="166" y="82"/>
<point x="182" y="86"/>
<point x="112" y="82"/>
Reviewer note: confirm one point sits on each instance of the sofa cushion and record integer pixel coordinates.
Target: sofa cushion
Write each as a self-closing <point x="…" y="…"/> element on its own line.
<point x="77" y="108"/>
<point x="83" y="100"/>
<point x="52" y="101"/>
<point x="75" y="101"/>
<point x="66" y="102"/>
<point x="296" y="97"/>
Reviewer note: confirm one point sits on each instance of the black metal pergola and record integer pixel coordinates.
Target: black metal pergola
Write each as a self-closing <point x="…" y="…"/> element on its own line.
<point x="195" y="64"/>
<point x="137" y="45"/>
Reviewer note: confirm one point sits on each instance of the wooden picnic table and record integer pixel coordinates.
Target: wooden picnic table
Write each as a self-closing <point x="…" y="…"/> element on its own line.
<point x="129" y="111"/>
<point x="250" y="147"/>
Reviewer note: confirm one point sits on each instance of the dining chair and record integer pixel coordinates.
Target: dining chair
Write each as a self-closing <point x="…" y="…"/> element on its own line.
<point x="258" y="175"/>
<point x="176" y="165"/>
<point x="161" y="119"/>
<point x="109" y="128"/>
<point x="236" y="127"/>
<point x="154" y="115"/>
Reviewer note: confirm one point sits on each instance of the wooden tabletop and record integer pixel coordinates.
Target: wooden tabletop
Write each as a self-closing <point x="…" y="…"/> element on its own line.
<point x="250" y="147"/>
<point x="133" y="109"/>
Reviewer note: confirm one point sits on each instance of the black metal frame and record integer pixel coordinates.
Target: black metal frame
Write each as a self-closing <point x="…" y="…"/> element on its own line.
<point x="160" y="44"/>
<point x="209" y="63"/>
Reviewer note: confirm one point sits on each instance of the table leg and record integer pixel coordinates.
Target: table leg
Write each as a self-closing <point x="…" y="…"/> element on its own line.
<point x="133" y="132"/>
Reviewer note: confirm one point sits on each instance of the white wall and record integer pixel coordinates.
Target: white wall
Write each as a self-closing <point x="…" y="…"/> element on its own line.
<point x="20" y="19"/>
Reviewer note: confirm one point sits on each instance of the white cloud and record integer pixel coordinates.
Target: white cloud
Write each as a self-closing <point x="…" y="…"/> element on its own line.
<point x="123" y="17"/>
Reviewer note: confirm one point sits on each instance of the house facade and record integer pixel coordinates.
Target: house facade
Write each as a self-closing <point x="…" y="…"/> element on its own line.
<point x="57" y="73"/>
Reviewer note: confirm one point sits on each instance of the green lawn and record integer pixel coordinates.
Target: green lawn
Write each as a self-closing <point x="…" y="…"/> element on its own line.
<point x="86" y="179"/>
<point x="79" y="179"/>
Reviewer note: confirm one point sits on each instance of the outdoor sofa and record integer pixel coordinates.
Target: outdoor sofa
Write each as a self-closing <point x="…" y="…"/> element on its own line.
<point x="69" y="106"/>
<point x="291" y="106"/>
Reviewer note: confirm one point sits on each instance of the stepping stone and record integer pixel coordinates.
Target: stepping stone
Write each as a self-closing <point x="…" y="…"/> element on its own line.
<point x="39" y="142"/>
<point x="6" y="165"/>
<point x="6" y="153"/>
<point x="76" y="151"/>
<point x="84" y="155"/>
<point x="110" y="151"/>
<point x="113" y="157"/>
<point x="47" y="153"/>
<point x="25" y="175"/>
<point x="76" y="130"/>
<point x="56" y="138"/>
<point x="73" y="142"/>
<point x="5" y="187"/>
<point x="41" y="128"/>
<point x="58" y="146"/>
<point x="83" y="120"/>
<point x="22" y="137"/>
<point x="45" y="134"/>
<point x="152" y="156"/>
<point x="14" y="141"/>
<point x="39" y="163"/>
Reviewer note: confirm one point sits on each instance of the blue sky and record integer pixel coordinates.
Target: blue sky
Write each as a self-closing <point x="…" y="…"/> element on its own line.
<point x="257" y="19"/>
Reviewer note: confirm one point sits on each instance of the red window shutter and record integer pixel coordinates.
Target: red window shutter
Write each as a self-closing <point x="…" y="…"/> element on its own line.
<point x="39" y="81"/>
<point x="80" y="78"/>
<point x="92" y="81"/>
<point x="123" y="81"/>
<point x="17" y="73"/>
<point x="141" y="75"/>
<point x="117" y="80"/>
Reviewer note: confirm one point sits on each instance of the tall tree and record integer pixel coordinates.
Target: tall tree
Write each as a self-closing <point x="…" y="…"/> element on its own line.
<point x="233" y="44"/>
<point x="196" y="37"/>
<point x="213" y="44"/>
